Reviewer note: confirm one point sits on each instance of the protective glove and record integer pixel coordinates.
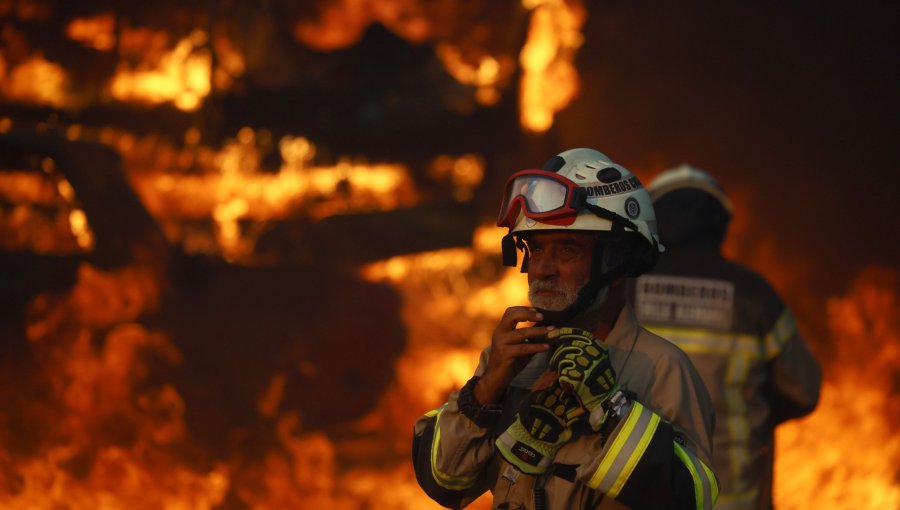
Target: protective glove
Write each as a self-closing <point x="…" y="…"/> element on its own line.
<point x="542" y="426"/>
<point x="583" y="367"/>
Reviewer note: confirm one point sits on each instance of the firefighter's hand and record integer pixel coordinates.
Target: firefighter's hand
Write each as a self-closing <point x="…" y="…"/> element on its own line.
<point x="510" y="351"/>
<point x="583" y="367"/>
<point x="542" y="426"/>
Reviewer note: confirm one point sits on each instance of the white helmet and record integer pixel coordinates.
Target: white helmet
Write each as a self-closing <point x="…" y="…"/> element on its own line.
<point x="579" y="189"/>
<point x="583" y="190"/>
<point x="687" y="177"/>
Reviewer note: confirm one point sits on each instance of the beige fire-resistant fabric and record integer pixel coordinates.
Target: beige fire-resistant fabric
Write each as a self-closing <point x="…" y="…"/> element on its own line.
<point x="464" y="458"/>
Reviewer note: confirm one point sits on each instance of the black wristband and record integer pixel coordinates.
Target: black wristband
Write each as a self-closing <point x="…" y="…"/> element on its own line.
<point x="485" y="416"/>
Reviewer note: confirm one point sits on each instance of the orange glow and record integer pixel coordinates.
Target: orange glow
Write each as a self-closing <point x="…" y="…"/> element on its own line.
<point x="232" y="187"/>
<point x="342" y="22"/>
<point x="846" y="454"/>
<point x="100" y="430"/>
<point x="452" y="299"/>
<point x="97" y="32"/>
<point x="487" y="75"/>
<point x="37" y="81"/>
<point x="44" y="215"/>
<point x="182" y="76"/>
<point x="94" y="360"/>
<point x="464" y="173"/>
<point x="549" y="78"/>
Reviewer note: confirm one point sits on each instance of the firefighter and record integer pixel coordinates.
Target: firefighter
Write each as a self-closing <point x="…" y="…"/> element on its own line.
<point x="737" y="331"/>
<point x="574" y="405"/>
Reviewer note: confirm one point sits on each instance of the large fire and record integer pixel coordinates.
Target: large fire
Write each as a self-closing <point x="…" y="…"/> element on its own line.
<point x="845" y="455"/>
<point x="153" y="70"/>
<point x="92" y="420"/>
<point x="452" y="299"/>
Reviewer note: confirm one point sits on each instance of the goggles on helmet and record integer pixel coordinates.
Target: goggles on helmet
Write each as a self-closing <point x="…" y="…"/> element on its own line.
<point x="543" y="196"/>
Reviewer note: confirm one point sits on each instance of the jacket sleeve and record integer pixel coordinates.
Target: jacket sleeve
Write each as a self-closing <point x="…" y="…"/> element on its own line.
<point x="644" y="463"/>
<point x="659" y="451"/>
<point x="451" y="454"/>
<point x="795" y="376"/>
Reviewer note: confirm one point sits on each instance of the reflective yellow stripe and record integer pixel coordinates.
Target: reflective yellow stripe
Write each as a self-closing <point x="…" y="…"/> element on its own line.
<point x="626" y="450"/>
<point x="635" y="457"/>
<point x="714" y="483"/>
<point x="704" y="341"/>
<point x="445" y="480"/>
<point x="785" y="327"/>
<point x="616" y="447"/>
<point x="735" y="420"/>
<point x="706" y="489"/>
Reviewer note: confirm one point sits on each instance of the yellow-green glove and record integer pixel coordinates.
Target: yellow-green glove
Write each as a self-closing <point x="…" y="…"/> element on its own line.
<point x="542" y="427"/>
<point x="583" y="366"/>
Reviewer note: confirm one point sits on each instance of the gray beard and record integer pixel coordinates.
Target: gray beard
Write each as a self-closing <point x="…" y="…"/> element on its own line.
<point x="565" y="298"/>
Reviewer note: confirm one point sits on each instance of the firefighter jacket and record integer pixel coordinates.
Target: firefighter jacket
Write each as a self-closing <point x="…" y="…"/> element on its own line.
<point x="657" y="456"/>
<point x="745" y="344"/>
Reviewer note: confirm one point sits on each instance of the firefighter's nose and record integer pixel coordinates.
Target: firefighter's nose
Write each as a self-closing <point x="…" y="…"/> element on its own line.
<point x="542" y="266"/>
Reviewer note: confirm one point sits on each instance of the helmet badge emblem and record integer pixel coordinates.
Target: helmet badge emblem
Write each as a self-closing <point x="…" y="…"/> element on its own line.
<point x="632" y="208"/>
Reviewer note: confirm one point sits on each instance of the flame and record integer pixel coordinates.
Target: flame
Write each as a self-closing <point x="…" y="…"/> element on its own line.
<point x="94" y="429"/>
<point x="232" y="187"/>
<point x="95" y="362"/>
<point x="45" y="215"/>
<point x="341" y="23"/>
<point x="858" y="402"/>
<point x="183" y="187"/>
<point x="102" y="436"/>
<point x="549" y="78"/>
<point x="846" y="454"/>
<point x="465" y="173"/>
<point x="182" y="76"/>
<point x="487" y="76"/>
<point x="96" y="32"/>
<point x="36" y="80"/>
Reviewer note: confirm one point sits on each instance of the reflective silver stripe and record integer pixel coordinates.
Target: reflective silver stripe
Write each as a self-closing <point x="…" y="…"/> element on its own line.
<point x="706" y="489"/>
<point x="506" y="443"/>
<point x="624" y="450"/>
<point x="445" y="480"/>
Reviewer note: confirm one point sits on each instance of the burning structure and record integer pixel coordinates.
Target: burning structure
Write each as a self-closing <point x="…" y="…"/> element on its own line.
<point x="245" y="244"/>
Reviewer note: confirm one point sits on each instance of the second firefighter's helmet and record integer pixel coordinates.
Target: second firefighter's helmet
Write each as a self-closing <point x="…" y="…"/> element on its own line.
<point x="692" y="207"/>
<point x="687" y="177"/>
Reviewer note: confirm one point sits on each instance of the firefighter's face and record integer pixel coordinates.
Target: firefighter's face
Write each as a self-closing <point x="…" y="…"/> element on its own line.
<point x="559" y="266"/>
